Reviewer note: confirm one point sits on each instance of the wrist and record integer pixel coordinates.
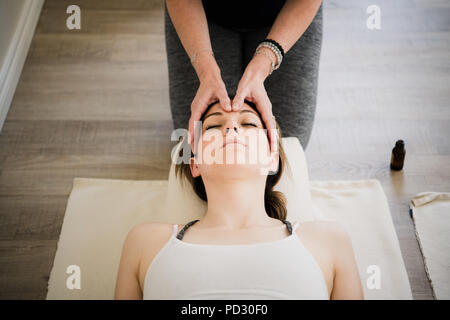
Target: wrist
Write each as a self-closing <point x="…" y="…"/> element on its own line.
<point x="206" y="66"/>
<point x="259" y="66"/>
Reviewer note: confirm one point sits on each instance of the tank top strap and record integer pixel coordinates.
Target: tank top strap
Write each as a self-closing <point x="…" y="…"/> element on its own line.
<point x="180" y="234"/>
<point x="288" y="225"/>
<point x="291" y="227"/>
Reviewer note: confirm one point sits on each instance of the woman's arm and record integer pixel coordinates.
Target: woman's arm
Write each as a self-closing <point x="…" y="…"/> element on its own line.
<point x="189" y="20"/>
<point x="127" y="283"/>
<point x="292" y="21"/>
<point x="347" y="282"/>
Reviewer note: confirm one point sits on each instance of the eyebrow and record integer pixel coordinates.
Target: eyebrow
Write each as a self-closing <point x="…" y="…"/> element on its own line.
<point x="218" y="113"/>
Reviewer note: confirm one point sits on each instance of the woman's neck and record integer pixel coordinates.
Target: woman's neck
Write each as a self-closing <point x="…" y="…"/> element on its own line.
<point x="236" y="204"/>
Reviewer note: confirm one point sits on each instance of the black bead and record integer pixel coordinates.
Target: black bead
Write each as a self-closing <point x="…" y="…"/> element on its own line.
<point x="276" y="44"/>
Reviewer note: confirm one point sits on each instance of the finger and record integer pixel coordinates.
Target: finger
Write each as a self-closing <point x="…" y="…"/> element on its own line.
<point x="194" y="115"/>
<point x="274" y="137"/>
<point x="189" y="137"/>
<point x="191" y="133"/>
<point x="192" y="129"/>
<point x="191" y="125"/>
<point x="238" y="100"/>
<point x="225" y="101"/>
<point x="274" y="140"/>
<point x="265" y="108"/>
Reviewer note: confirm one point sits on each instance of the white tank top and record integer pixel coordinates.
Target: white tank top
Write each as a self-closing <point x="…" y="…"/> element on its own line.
<point x="281" y="269"/>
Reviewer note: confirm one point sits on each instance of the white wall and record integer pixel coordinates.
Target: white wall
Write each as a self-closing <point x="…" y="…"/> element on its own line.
<point x="9" y="17"/>
<point x="18" y="19"/>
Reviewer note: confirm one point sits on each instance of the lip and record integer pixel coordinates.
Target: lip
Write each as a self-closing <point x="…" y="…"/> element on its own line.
<point x="234" y="142"/>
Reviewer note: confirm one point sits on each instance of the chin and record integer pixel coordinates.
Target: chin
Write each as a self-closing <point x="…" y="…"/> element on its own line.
<point x="234" y="161"/>
<point x="234" y="171"/>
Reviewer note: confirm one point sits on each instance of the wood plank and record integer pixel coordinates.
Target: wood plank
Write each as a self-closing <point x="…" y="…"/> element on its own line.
<point x="25" y="267"/>
<point x="26" y="217"/>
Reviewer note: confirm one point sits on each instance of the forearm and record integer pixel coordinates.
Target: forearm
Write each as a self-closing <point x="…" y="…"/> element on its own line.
<point x="290" y="24"/>
<point x="292" y="21"/>
<point x="189" y="20"/>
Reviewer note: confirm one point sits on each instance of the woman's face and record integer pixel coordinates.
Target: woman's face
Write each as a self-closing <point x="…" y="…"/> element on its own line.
<point x="239" y="151"/>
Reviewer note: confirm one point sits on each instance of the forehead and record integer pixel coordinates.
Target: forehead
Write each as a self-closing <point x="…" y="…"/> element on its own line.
<point x="217" y="107"/>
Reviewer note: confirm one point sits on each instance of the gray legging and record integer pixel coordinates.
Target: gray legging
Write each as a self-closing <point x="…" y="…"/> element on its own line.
<point x="292" y="89"/>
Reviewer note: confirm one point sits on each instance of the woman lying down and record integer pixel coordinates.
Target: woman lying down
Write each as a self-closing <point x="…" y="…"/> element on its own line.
<point x="243" y="247"/>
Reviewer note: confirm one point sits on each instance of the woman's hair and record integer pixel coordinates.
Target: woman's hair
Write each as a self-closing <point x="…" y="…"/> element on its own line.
<point x="274" y="201"/>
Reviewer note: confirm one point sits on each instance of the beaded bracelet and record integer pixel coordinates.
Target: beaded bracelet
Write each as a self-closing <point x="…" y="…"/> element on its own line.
<point x="276" y="44"/>
<point x="275" y="50"/>
<point x="272" y="63"/>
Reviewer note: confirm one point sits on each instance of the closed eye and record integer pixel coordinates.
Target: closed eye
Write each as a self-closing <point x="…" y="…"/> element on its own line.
<point x="210" y="127"/>
<point x="244" y="124"/>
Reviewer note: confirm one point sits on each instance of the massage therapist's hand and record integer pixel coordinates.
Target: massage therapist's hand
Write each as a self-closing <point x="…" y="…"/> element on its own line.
<point x="211" y="88"/>
<point x="251" y="87"/>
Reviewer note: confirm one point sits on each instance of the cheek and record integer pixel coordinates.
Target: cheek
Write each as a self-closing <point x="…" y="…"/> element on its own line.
<point x="257" y="141"/>
<point x="211" y="137"/>
<point x="210" y="142"/>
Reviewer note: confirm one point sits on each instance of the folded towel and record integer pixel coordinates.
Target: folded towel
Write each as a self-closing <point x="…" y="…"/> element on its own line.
<point x="430" y="212"/>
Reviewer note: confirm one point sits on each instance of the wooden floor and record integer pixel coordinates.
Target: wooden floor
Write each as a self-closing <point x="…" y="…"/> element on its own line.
<point x="94" y="103"/>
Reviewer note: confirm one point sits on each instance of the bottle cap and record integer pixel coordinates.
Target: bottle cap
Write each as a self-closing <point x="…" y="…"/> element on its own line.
<point x="399" y="144"/>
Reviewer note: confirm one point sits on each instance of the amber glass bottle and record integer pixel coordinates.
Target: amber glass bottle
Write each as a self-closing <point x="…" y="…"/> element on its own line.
<point x="398" y="155"/>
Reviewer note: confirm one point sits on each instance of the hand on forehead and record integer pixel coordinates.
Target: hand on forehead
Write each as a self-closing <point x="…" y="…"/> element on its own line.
<point x="214" y="109"/>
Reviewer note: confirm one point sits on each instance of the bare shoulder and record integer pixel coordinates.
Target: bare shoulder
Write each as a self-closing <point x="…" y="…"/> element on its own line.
<point x="140" y="242"/>
<point x="144" y="240"/>
<point x="145" y="231"/>
<point x="331" y="235"/>
<point x="331" y="245"/>
<point x="332" y="232"/>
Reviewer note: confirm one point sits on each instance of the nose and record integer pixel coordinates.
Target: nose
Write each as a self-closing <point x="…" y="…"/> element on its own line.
<point x="228" y="129"/>
<point x="232" y="127"/>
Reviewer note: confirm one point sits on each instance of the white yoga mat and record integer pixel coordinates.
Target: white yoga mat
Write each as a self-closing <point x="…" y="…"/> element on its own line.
<point x="431" y="216"/>
<point x="100" y="212"/>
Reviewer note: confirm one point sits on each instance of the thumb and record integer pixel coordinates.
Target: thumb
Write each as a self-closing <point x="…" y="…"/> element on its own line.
<point x="225" y="101"/>
<point x="196" y="130"/>
<point x="238" y="100"/>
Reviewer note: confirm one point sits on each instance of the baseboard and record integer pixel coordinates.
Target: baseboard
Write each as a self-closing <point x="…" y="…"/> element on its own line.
<point x="16" y="55"/>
